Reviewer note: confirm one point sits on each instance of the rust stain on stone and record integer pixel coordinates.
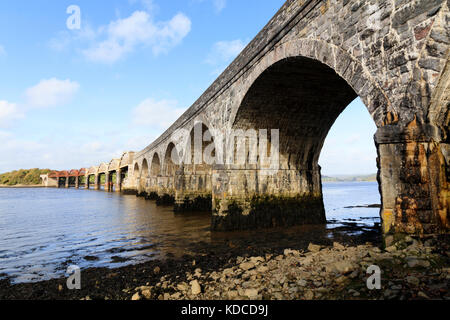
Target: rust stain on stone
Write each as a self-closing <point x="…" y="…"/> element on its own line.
<point x="391" y="118"/>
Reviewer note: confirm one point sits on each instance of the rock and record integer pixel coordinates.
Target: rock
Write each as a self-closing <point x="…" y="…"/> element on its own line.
<point x="256" y="260"/>
<point x="314" y="247"/>
<point x="341" y="279"/>
<point x="157" y="270"/>
<point x="338" y="246"/>
<point x="391" y="249"/>
<point x="136" y="296"/>
<point x="182" y="286"/>
<point x="389" y="240"/>
<point x="147" y="294"/>
<point x="262" y="269"/>
<point x="288" y="252"/>
<point x="195" y="287"/>
<point x="232" y="294"/>
<point x="302" y="283"/>
<point x="251" y="293"/>
<point x="228" y="271"/>
<point x="309" y="295"/>
<point x="413" y="280"/>
<point x="414" y="262"/>
<point x="423" y="295"/>
<point x="176" y="296"/>
<point x="247" y="266"/>
<point x="343" y="267"/>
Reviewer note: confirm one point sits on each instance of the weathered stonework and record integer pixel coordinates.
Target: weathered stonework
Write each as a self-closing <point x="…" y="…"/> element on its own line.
<point x="298" y="74"/>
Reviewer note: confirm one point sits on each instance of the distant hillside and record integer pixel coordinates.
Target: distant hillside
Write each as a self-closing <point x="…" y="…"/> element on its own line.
<point x="367" y="178"/>
<point x="23" y="177"/>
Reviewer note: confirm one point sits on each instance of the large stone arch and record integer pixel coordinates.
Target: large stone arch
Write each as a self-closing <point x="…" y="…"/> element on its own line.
<point x="339" y="60"/>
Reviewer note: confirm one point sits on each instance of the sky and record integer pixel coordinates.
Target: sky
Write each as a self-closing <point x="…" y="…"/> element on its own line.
<point x="75" y="97"/>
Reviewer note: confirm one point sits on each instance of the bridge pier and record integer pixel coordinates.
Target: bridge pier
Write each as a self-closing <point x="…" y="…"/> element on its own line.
<point x="107" y="182"/>
<point x="67" y="183"/>
<point x="97" y="182"/>
<point x="413" y="178"/>
<point x="118" y="186"/>
<point x="255" y="198"/>
<point x="77" y="182"/>
<point x="193" y="191"/>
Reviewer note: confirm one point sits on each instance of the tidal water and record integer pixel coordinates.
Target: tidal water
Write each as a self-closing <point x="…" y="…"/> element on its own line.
<point x="43" y="231"/>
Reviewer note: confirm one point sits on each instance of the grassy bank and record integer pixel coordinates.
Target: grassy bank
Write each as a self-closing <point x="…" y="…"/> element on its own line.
<point x="22" y="177"/>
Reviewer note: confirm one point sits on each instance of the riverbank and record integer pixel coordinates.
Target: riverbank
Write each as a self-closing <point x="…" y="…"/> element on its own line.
<point x="412" y="270"/>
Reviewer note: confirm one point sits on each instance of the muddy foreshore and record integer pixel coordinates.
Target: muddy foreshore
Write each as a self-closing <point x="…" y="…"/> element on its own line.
<point x="173" y="278"/>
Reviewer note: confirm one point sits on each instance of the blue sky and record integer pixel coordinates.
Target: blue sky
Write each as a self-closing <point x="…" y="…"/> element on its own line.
<point x="75" y="98"/>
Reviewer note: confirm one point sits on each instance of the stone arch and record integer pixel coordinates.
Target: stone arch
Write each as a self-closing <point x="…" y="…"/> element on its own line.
<point x="171" y="160"/>
<point x="340" y="61"/>
<point x="103" y="168"/>
<point x="114" y="165"/>
<point x="155" y="169"/>
<point x="300" y="88"/>
<point x="200" y="149"/>
<point x="136" y="174"/>
<point x="143" y="174"/>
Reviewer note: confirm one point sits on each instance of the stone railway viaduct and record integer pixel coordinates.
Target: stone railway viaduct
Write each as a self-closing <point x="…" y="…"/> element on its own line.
<point x="300" y="72"/>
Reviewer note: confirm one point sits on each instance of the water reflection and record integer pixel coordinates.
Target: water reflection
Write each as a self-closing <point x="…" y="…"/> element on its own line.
<point x="42" y="231"/>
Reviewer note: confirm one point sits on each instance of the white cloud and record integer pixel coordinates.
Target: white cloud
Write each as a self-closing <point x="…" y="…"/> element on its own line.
<point x="223" y="52"/>
<point x="125" y="35"/>
<point x="8" y="113"/>
<point x="160" y="114"/>
<point x="51" y="92"/>
<point x="2" y="51"/>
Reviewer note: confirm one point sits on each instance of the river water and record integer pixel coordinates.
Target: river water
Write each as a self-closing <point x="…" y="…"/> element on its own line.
<point x="42" y="231"/>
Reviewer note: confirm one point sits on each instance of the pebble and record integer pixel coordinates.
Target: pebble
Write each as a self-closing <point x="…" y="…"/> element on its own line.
<point x="136" y="296"/>
<point x="195" y="287"/>
<point x="314" y="247"/>
<point x="247" y="265"/>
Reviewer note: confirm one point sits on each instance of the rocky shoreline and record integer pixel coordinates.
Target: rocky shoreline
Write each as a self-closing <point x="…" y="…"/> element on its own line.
<point x="412" y="269"/>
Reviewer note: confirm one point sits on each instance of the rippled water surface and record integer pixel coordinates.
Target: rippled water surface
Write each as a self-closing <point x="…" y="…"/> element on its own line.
<point x="42" y="231"/>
